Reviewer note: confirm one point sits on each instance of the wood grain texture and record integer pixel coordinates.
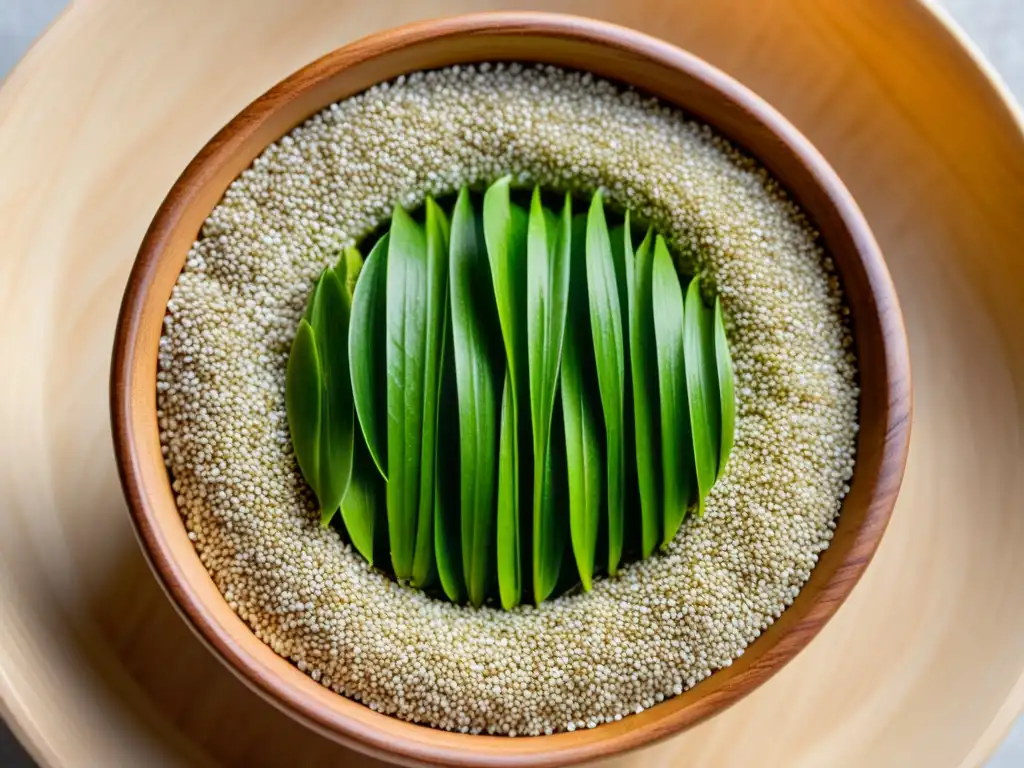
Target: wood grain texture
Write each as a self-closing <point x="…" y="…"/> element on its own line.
<point x="609" y="51"/>
<point x="915" y="668"/>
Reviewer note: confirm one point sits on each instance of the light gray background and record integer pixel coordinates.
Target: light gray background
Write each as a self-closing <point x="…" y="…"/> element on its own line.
<point x="997" y="26"/>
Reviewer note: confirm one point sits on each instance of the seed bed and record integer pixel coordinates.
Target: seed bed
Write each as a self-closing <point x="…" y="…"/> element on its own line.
<point x="658" y="627"/>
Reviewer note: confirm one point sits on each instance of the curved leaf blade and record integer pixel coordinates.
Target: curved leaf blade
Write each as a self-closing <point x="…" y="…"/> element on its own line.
<point x="644" y="367"/>
<point x="701" y="390"/>
<point x="676" y="443"/>
<point x="432" y="356"/>
<point x="331" y="311"/>
<point x="547" y="270"/>
<point x="406" y="300"/>
<point x="509" y="574"/>
<point x="367" y="339"/>
<point x="581" y="417"/>
<point x="625" y="277"/>
<point x="709" y="375"/>
<point x="506" y="243"/>
<point x="478" y="377"/>
<point x="606" y="330"/>
<point x="302" y="402"/>
<point x="447" y="534"/>
<point x="726" y="388"/>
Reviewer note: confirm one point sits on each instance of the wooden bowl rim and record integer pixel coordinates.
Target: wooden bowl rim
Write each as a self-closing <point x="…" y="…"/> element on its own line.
<point x="286" y="694"/>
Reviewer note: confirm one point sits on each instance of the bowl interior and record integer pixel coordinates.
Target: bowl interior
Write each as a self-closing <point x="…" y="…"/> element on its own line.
<point x="617" y="54"/>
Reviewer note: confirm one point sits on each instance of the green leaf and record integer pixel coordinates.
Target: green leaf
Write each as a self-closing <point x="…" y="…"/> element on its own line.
<point x="547" y="294"/>
<point x="302" y="401"/>
<point x="505" y="236"/>
<point x="553" y="504"/>
<point x="625" y="276"/>
<point x="509" y="575"/>
<point x="331" y="309"/>
<point x="726" y="388"/>
<point x="307" y="314"/>
<point x="447" y="533"/>
<point x="644" y="366"/>
<point x="407" y="331"/>
<point x="432" y="356"/>
<point x="350" y="264"/>
<point x="676" y="444"/>
<point x="362" y="509"/>
<point x="702" y="390"/>
<point x="367" y="339"/>
<point x="478" y="374"/>
<point x="613" y="359"/>
<point x="621" y="243"/>
<point x="505" y="227"/>
<point x="606" y="329"/>
<point x="581" y="418"/>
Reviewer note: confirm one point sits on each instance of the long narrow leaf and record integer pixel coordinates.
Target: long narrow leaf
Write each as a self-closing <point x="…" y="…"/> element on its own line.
<point x="554" y="498"/>
<point x="433" y="355"/>
<point x="407" y="298"/>
<point x="447" y="534"/>
<point x="623" y="259"/>
<point x="362" y="508"/>
<point x="547" y="270"/>
<point x="331" y="310"/>
<point x="582" y="420"/>
<point x="504" y="227"/>
<point x="726" y="388"/>
<point x="606" y="329"/>
<point x="478" y="374"/>
<point x="552" y="223"/>
<point x="676" y="443"/>
<point x="367" y="352"/>
<point x="509" y="573"/>
<point x="644" y="366"/>
<point x="302" y="400"/>
<point x="701" y="390"/>
<point x="505" y="248"/>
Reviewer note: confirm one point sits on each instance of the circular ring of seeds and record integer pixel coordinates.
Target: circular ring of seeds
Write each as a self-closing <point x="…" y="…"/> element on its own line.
<point x="658" y="627"/>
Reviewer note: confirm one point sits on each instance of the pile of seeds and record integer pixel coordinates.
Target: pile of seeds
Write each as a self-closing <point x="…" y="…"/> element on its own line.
<point x="662" y="624"/>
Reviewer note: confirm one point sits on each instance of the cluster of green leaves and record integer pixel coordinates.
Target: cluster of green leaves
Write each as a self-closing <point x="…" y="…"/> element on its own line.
<point x="504" y="388"/>
<point x="330" y="449"/>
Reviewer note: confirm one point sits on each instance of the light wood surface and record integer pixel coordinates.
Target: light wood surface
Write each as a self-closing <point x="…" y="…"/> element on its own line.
<point x="605" y="50"/>
<point x="922" y="666"/>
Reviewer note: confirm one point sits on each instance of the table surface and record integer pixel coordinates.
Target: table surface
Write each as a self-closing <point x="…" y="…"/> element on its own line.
<point x="996" y="26"/>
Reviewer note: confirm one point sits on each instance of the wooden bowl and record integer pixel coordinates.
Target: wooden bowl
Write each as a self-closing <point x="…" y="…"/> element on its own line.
<point x="615" y="53"/>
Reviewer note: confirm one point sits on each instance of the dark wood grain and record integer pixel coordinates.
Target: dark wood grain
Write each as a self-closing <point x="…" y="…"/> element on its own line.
<point x="609" y="51"/>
